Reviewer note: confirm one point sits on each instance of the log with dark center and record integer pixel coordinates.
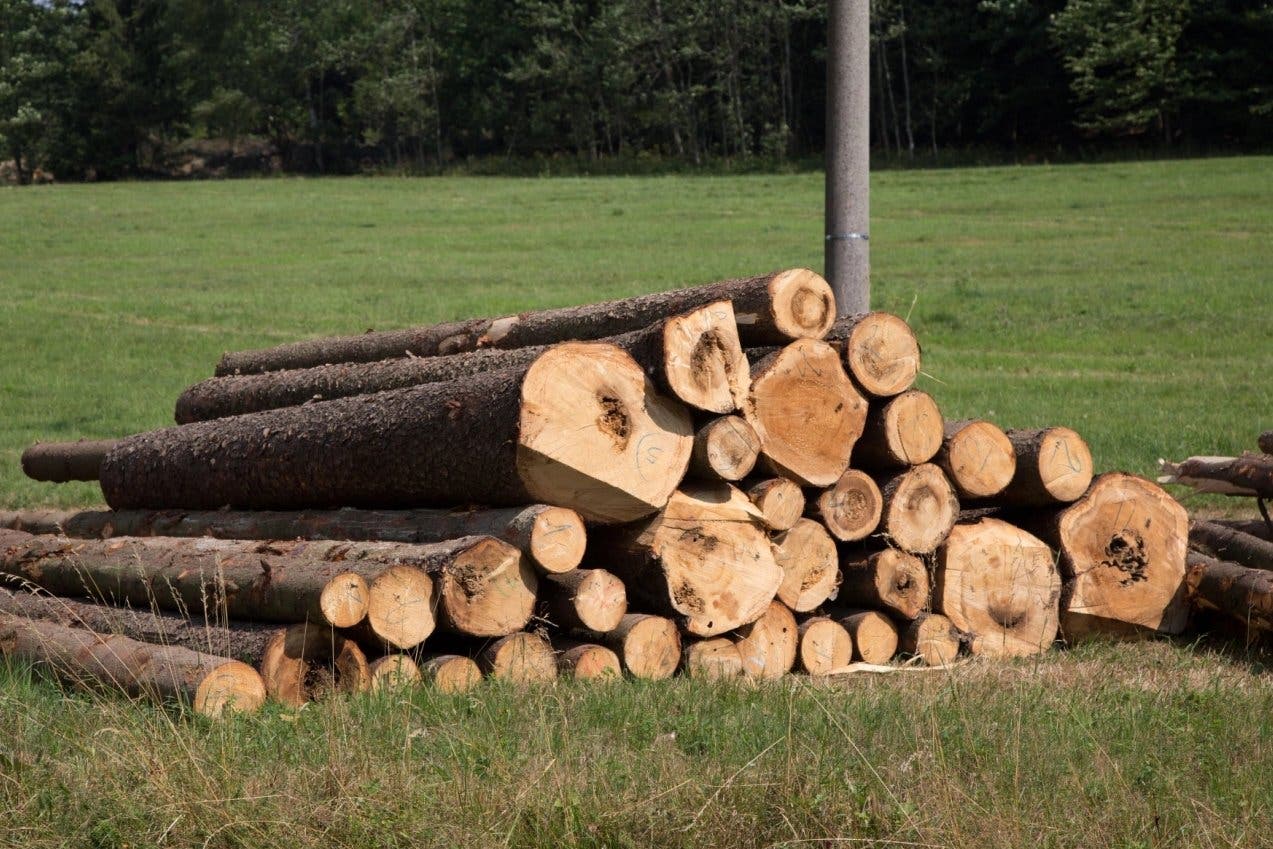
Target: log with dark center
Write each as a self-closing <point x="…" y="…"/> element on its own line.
<point x="978" y="458"/>
<point x="905" y="430"/>
<point x="880" y="352"/>
<point x="768" y="645"/>
<point x="920" y="507"/>
<point x="450" y="673"/>
<point x="591" y="599"/>
<point x="648" y="646"/>
<point x="825" y="645"/>
<point x="713" y="659"/>
<point x="769" y="309"/>
<point x="932" y="638"/>
<point x="890" y="580"/>
<point x="810" y="565"/>
<point x="874" y="635"/>
<point x="310" y="662"/>
<point x="725" y="449"/>
<point x="1053" y="465"/>
<point x="851" y="509"/>
<point x="779" y="500"/>
<point x="580" y="428"/>
<point x="1242" y="594"/>
<point x="1250" y="474"/>
<point x="1229" y="544"/>
<point x="519" y="659"/>
<point x="59" y="462"/>
<point x="587" y="661"/>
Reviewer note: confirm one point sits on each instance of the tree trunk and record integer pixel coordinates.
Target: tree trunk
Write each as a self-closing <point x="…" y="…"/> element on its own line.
<point x="1254" y="527"/>
<point x="1244" y="595"/>
<point x="905" y="430"/>
<point x="1229" y="544"/>
<point x="580" y="429"/>
<point x="874" y="635"/>
<point x="806" y="412"/>
<point x="450" y="673"/>
<point x="825" y="645"/>
<point x="695" y="357"/>
<point x="880" y="352"/>
<point x="725" y="449"/>
<point x="851" y="509"/>
<point x="648" y="646"/>
<point x="920" y="508"/>
<point x="1250" y="474"/>
<point x="715" y="659"/>
<point x="59" y="462"/>
<point x="769" y="309"/>
<point x="1054" y="465"/>
<point x="310" y="662"/>
<point x="780" y="502"/>
<point x="998" y="584"/>
<point x="810" y="566"/>
<point x="885" y="580"/>
<point x="932" y="638"/>
<point x="586" y="661"/>
<point x="590" y="599"/>
<point x="553" y="537"/>
<point x="978" y="458"/>
<point x="211" y="685"/>
<point x="768" y="645"/>
<point x="519" y="658"/>
<point x="394" y="672"/>
<point x="704" y="560"/>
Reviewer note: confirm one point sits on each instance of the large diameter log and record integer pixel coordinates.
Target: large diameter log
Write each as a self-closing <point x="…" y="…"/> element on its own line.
<point x="553" y="537"/>
<point x="851" y="509"/>
<point x="889" y="580"/>
<point x="1230" y="544"/>
<point x="768" y="645"/>
<point x="695" y="357"/>
<point x="920" y="508"/>
<point x="519" y="658"/>
<point x="780" y="501"/>
<point x="874" y="635"/>
<point x="211" y="685"/>
<point x="589" y="661"/>
<point x="714" y="659"/>
<point x="903" y="431"/>
<point x="806" y="412"/>
<point x="60" y="462"/>
<point x="978" y="458"/>
<point x="1250" y="474"/>
<point x="725" y="449"/>
<point x="648" y="646"/>
<point x="880" y="352"/>
<point x="581" y="428"/>
<point x="450" y="673"/>
<point x="999" y="585"/>
<point x="1242" y="594"/>
<point x="588" y="599"/>
<point x="310" y="662"/>
<point x="769" y="309"/>
<point x="810" y="566"/>
<point x="703" y="560"/>
<point x="825" y="645"/>
<point x="1054" y="465"/>
<point x="932" y="638"/>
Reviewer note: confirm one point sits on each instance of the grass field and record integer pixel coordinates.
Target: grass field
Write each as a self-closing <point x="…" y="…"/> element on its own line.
<point x="1129" y="301"/>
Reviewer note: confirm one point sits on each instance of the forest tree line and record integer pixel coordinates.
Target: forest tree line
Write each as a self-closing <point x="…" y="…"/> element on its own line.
<point x="111" y="88"/>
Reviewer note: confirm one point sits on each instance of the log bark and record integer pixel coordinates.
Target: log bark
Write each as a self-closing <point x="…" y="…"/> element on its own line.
<point x="703" y="560"/>
<point x="520" y="659"/>
<point x="1229" y="544"/>
<point x="890" y="580"/>
<point x="978" y="458"/>
<point x="825" y="645"/>
<point x="725" y="449"/>
<point x="998" y="584"/>
<point x="1250" y="474"/>
<point x="806" y="412"/>
<point x="768" y="645"/>
<point x="1122" y="559"/>
<point x="648" y="646"/>
<point x="60" y="462"/>
<point x="591" y="599"/>
<point x="769" y="309"/>
<point x="450" y="673"/>
<point x="880" y="352"/>
<point x="553" y="537"/>
<point x="581" y="428"/>
<point x="1054" y="465"/>
<point x="905" y="430"/>
<point x="714" y="659"/>
<point x="874" y="635"/>
<point x="588" y="661"/>
<point x="211" y="685"/>
<point x="695" y="357"/>
<point x="932" y="638"/>
<point x="1244" y="595"/>
<point x="780" y="502"/>
<point x="1254" y="527"/>
<point x="311" y="662"/>
<point x="810" y="566"/>
<point x="851" y="509"/>
<point x="920" y="508"/>
<point x="394" y="672"/>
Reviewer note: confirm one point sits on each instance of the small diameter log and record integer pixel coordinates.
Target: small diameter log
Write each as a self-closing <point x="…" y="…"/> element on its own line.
<point x="581" y="428"/>
<point x="780" y="502"/>
<point x="851" y="509"/>
<point x="874" y="635"/>
<point x="1230" y="544"/>
<point x="932" y="638"/>
<point x="806" y="412"/>
<point x="810" y="565"/>
<point x="1254" y="527"/>
<point x="394" y="672"/>
<point x="211" y="685"/>
<point x="768" y="645"/>
<point x="60" y="462"/>
<point x="450" y="673"/>
<point x="587" y="661"/>
<point x="1244" y="595"/>
<point x="978" y="458"/>
<point x="889" y="580"/>
<point x="519" y="658"/>
<point x="825" y="645"/>
<point x="1122" y="559"/>
<point x="588" y="599"/>
<point x="1054" y="465"/>
<point x="310" y="662"/>
<point x="920" y="508"/>
<point x="714" y="659"/>
<point x="553" y="537"/>
<point x="1265" y="442"/>
<point x="725" y="449"/>
<point x="903" y="431"/>
<point x="704" y="559"/>
<point x="998" y="584"/>
<point x="880" y="352"/>
<point x="769" y="309"/>
<point x="647" y="646"/>
<point x="1250" y="474"/>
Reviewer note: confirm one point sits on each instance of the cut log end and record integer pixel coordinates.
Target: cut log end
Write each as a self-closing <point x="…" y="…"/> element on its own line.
<point x="874" y="636"/>
<point x="803" y="304"/>
<point x="557" y="539"/>
<point x="592" y="599"/>
<point x="401" y="606"/>
<point x="451" y="673"/>
<point x="810" y="565"/>
<point x="768" y="645"/>
<point x="920" y="507"/>
<point x="487" y="591"/>
<point x="716" y="659"/>
<point x="780" y="501"/>
<point x="978" y="458"/>
<point x="520" y="658"/>
<point x="588" y="661"/>
<point x="344" y="600"/>
<point x="725" y="449"/>
<point x="903" y="431"/>
<point x="882" y="354"/>
<point x="824" y="645"/>
<point x="703" y="361"/>
<point x="932" y="638"/>
<point x="309" y="662"/>
<point x="649" y="646"/>
<point x="888" y="580"/>
<point x="851" y="509"/>
<point x="231" y="687"/>
<point x="1054" y="465"/>
<point x="394" y="672"/>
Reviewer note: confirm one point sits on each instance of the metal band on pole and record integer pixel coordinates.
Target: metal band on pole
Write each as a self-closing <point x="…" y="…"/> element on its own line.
<point x="848" y="164"/>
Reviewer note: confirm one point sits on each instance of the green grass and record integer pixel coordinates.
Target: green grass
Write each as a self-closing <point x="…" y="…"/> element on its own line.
<point x="1129" y="301"/>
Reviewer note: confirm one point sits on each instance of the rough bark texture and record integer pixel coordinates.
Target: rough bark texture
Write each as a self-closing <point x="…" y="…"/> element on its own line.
<point x="715" y="659"/>
<point x="211" y="685"/>
<point x="647" y="646"/>
<point x="450" y="673"/>
<point x="880" y="352"/>
<point x="587" y="661"/>
<point x="998" y="584"/>
<point x="590" y="599"/>
<point x="1242" y="594"/>
<point x="1054" y="465"/>
<point x="905" y="430"/>
<point x="932" y="638"/>
<point x="780" y="502"/>
<point x="920" y="507"/>
<point x="769" y="309"/>
<point x="519" y="659"/>
<point x="768" y="645"/>
<point x="825" y="645"/>
<point x="874" y="635"/>
<point x="1250" y="474"/>
<point x="851" y="509"/>
<point x="978" y="458"/>
<point x="806" y="412"/>
<point x="1254" y="527"/>
<point x="889" y="580"/>
<point x="393" y="672"/>
<point x="725" y="449"/>
<point x="310" y="662"/>
<point x="581" y="428"/>
<point x="59" y="462"/>
<point x="810" y="566"/>
<point x="1229" y="544"/>
<point x="704" y="560"/>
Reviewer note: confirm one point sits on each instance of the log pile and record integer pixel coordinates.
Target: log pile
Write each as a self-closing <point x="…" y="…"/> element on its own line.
<point x="722" y="481"/>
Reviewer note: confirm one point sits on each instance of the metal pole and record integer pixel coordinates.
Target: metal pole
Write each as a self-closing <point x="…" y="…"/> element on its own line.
<point x="848" y="162"/>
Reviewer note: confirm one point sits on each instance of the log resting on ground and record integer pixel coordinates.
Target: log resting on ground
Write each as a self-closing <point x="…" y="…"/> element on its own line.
<point x="310" y="662"/>
<point x="1242" y="594"/>
<point x="825" y="645"/>
<point x="1250" y="474"/>
<point x="1230" y="544"/>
